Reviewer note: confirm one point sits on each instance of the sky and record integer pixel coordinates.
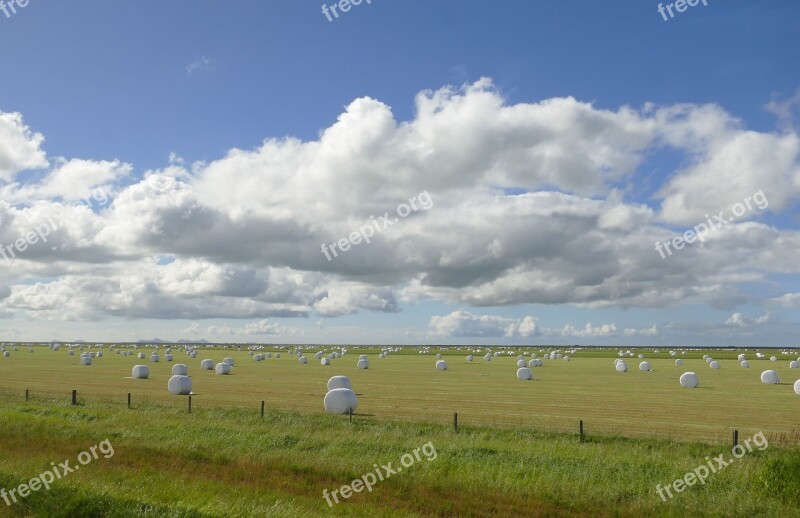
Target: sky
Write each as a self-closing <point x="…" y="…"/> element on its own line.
<point x="415" y="172"/>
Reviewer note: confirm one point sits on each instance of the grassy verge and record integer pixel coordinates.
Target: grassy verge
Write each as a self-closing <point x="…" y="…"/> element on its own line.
<point x="232" y="463"/>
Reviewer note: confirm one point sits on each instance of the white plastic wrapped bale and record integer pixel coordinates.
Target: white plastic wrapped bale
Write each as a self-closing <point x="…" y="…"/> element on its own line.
<point x="6" y="354"/>
<point x="689" y="380"/>
<point x="278" y="356"/>
<point x="339" y="382"/>
<point x="706" y="357"/>
<point x="222" y="368"/>
<point x="317" y="356"/>
<point x="302" y="360"/>
<point x="140" y="372"/>
<point x="797" y="387"/>
<point x="714" y="364"/>
<point x="644" y="366"/>
<point x="180" y="385"/>
<point x="438" y="356"/>
<point x="745" y="364"/>
<point x="207" y="364"/>
<point x="154" y="358"/>
<point x="770" y="377"/>
<point x="325" y="361"/>
<point x="168" y="357"/>
<point x="470" y="358"/>
<point x="141" y="356"/>
<point x="340" y="401"/>
<point x="536" y="362"/>
<point x="567" y="358"/>
<point x="741" y="357"/>
<point x="363" y="364"/>
<point x="641" y="356"/>
<point x="441" y="365"/>
<point x="180" y="369"/>
<point x="524" y="374"/>
<point x="86" y="359"/>
<point x="70" y="353"/>
<point x="622" y="366"/>
<point x="794" y="364"/>
<point x="229" y="361"/>
<point x="488" y="357"/>
<point x="678" y="362"/>
<point x="522" y="363"/>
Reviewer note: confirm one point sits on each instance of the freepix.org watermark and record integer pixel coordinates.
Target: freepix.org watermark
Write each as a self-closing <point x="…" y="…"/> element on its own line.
<point x="41" y="231"/>
<point x="56" y="473"/>
<point x="380" y="474"/>
<point x="421" y="201"/>
<point x="715" y="465"/>
<point x="680" y="7"/>
<point x="343" y="6"/>
<point x="712" y="224"/>
<point x="9" y="7"/>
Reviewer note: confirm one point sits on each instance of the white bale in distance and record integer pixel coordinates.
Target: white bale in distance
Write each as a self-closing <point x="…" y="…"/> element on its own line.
<point x="644" y="366"/>
<point x="522" y="363"/>
<point x="154" y="358"/>
<point x="689" y="380"/>
<point x="222" y="368"/>
<point x="363" y="364"/>
<point x="277" y="355"/>
<point x="773" y="358"/>
<point x="317" y="356"/>
<point x="797" y="387"/>
<point x="207" y="364"/>
<point x="679" y="362"/>
<point x="745" y="364"/>
<point x="441" y="365"/>
<point x="470" y="357"/>
<point x="6" y="354"/>
<point x="325" y="361"/>
<point x="340" y="401"/>
<point x="141" y="356"/>
<point x="140" y="372"/>
<point x="302" y="360"/>
<point x="622" y="367"/>
<point x="641" y="356"/>
<point x="180" y="385"/>
<point x="229" y="361"/>
<point x="85" y="359"/>
<point x="794" y="364"/>
<point x="70" y="353"/>
<point x="714" y="365"/>
<point x="438" y="356"/>
<point x="339" y="382"/>
<point x="742" y="357"/>
<point x="168" y="357"/>
<point x="706" y="357"/>
<point x="709" y="360"/>
<point x="524" y="374"/>
<point x="488" y="357"/>
<point x="567" y="358"/>
<point x="770" y="377"/>
<point x="180" y="369"/>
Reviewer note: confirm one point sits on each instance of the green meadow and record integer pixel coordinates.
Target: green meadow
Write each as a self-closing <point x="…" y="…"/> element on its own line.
<point x="517" y="451"/>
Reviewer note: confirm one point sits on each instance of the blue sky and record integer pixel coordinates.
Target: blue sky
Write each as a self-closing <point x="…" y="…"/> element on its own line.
<point x="139" y="82"/>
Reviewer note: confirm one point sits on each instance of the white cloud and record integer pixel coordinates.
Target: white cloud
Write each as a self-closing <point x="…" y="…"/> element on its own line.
<point x="20" y="148"/>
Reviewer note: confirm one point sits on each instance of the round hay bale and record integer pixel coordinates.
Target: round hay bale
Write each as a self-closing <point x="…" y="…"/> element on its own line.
<point x="207" y="364"/>
<point x="222" y="368"/>
<point x="714" y="365"/>
<point x="470" y="357"/>
<point x="741" y="357"/>
<point x="745" y="364"/>
<point x="6" y="354"/>
<point x="229" y="361"/>
<point x="567" y="358"/>
<point x="797" y="387"/>
<point x="773" y="358"/>
<point x="441" y="365"/>
<point x="622" y="366"/>
<point x="180" y="369"/>
<point x="337" y="382"/>
<point x="325" y="361"/>
<point x="794" y="364"/>
<point x="70" y="353"/>
<point x="644" y="367"/>
<point x="438" y="356"/>
<point x="524" y="374"/>
<point x="641" y="356"/>
<point x="180" y="385"/>
<point x="302" y="360"/>
<point x="522" y="363"/>
<point x="488" y="357"/>
<point x="277" y="355"/>
<point x="85" y="359"/>
<point x="363" y="364"/>
<point x="689" y="380"/>
<point x="141" y="356"/>
<point x="154" y="358"/>
<point x="140" y="372"/>
<point x="168" y="357"/>
<point x="340" y="401"/>
<point x="770" y="377"/>
<point x="678" y="362"/>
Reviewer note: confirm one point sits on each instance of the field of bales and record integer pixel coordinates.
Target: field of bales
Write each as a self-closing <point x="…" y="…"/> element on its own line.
<point x="517" y="450"/>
